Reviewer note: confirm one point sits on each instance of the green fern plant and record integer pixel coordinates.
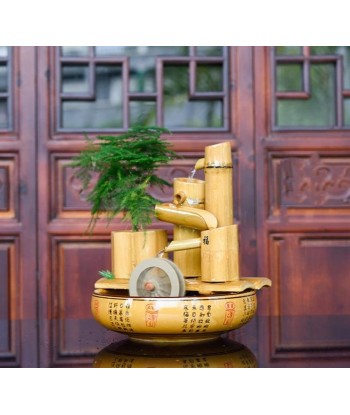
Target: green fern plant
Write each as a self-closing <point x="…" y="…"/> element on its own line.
<point x="126" y="169"/>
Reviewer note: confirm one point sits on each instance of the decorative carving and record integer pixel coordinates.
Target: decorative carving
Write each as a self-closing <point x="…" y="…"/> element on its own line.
<point x="70" y="200"/>
<point x="75" y="187"/>
<point x="181" y="168"/>
<point x="315" y="181"/>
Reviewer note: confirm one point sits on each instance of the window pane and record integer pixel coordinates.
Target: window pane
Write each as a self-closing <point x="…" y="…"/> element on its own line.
<point x="179" y="112"/>
<point x="347" y="112"/>
<point x="3" y="51"/>
<point x="142" y="113"/>
<point x="209" y="78"/>
<point x="75" y="79"/>
<point x="346" y="65"/>
<point x="158" y="87"/>
<point x="324" y="50"/>
<point x="141" y="50"/>
<point x="209" y="50"/>
<point x="289" y="77"/>
<point x="105" y="111"/>
<point x="316" y="111"/>
<point x="288" y="50"/>
<point x="3" y="78"/>
<point x="76" y="51"/>
<point x="4" y="122"/>
<point x="142" y="74"/>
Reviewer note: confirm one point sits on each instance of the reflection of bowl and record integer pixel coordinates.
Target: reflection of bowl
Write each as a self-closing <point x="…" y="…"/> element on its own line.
<point x="172" y="319"/>
<point x="218" y="353"/>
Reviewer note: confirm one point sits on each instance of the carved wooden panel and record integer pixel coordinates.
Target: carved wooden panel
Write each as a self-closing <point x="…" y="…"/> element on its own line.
<point x="310" y="314"/>
<point x="303" y="181"/>
<point x="69" y="200"/>
<point x="9" y="312"/>
<point x="76" y="262"/>
<point x="8" y="186"/>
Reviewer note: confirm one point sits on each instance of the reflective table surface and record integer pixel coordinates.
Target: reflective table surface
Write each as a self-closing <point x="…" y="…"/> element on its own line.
<point x="220" y="353"/>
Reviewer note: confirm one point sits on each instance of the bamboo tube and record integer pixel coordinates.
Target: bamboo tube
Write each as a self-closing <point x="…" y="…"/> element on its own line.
<point x="220" y="254"/>
<point x="186" y="216"/>
<point x="130" y="248"/>
<point x="185" y="244"/>
<point x="217" y="165"/>
<point x="189" y="193"/>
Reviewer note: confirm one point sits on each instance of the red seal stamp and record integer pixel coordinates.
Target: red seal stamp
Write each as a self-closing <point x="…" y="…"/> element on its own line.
<point x="229" y="313"/>
<point x="151" y="316"/>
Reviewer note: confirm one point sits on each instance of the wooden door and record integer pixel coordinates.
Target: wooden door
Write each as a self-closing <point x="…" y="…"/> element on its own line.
<point x="303" y="186"/>
<point x="95" y="90"/>
<point x="18" y="214"/>
<point x="285" y="112"/>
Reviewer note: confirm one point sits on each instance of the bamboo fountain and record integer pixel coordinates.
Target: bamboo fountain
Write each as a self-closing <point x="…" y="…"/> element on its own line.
<point x="197" y="295"/>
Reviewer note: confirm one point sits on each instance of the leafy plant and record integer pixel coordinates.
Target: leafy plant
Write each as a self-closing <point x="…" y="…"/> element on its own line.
<point x="126" y="167"/>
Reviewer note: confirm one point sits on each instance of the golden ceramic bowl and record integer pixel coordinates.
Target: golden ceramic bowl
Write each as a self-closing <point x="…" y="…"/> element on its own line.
<point x="219" y="353"/>
<point x="173" y="319"/>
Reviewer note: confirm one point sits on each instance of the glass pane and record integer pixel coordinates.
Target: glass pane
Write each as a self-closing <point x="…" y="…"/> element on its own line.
<point x="75" y="79"/>
<point x="75" y="51"/>
<point x="347" y="112"/>
<point x="288" y="50"/>
<point x="179" y="112"/>
<point x="345" y="50"/>
<point x="141" y="50"/>
<point x="4" y="122"/>
<point x="142" y="74"/>
<point x="289" y="77"/>
<point x="3" y="78"/>
<point x="316" y="111"/>
<point x="325" y="50"/>
<point x="106" y="110"/>
<point x="3" y="51"/>
<point x="209" y="50"/>
<point x="209" y="78"/>
<point x="142" y="113"/>
<point x="110" y="50"/>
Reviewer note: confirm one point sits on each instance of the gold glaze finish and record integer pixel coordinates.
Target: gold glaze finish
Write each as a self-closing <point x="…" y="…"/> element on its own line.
<point x="166" y="320"/>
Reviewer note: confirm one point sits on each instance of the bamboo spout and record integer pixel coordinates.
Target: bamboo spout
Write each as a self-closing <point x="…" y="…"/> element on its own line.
<point x="186" y="216"/>
<point x="200" y="164"/>
<point x="183" y="245"/>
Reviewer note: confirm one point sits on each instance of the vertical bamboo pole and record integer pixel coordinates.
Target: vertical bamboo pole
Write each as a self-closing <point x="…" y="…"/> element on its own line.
<point x="218" y="182"/>
<point x="220" y="254"/>
<point x="188" y="192"/>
